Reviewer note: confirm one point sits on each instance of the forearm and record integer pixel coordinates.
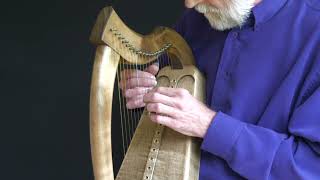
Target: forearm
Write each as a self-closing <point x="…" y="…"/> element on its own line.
<point x="260" y="153"/>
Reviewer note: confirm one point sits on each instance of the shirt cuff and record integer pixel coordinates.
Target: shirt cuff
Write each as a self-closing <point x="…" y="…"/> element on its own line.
<point x="222" y="135"/>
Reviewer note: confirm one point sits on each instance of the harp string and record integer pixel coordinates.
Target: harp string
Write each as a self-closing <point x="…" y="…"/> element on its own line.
<point x="126" y="123"/>
<point x="121" y="118"/>
<point x="129" y="119"/>
<point x="132" y="111"/>
<point x="127" y="114"/>
<point x="168" y="58"/>
<point x="142" y="67"/>
<point x="123" y="114"/>
<point x="135" y="109"/>
<point x="122" y="107"/>
<point x="160" y="61"/>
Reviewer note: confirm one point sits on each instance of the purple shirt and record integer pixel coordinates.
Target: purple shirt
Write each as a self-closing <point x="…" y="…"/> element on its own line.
<point x="263" y="79"/>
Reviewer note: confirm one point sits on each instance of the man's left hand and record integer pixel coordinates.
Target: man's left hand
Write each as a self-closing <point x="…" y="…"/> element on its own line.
<point x="177" y="109"/>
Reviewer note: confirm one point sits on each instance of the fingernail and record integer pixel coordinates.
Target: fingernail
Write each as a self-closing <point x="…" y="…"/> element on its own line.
<point x="154" y="83"/>
<point x="156" y="63"/>
<point x="153" y="77"/>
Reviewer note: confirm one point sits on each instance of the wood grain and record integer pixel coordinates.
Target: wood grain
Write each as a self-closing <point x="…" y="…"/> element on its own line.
<point x="178" y="156"/>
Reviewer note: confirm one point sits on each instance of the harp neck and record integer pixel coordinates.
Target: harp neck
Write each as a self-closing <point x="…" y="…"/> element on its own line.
<point x="136" y="48"/>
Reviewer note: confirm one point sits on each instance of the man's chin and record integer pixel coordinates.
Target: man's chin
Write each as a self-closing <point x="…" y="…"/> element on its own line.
<point x="230" y="17"/>
<point x="220" y="24"/>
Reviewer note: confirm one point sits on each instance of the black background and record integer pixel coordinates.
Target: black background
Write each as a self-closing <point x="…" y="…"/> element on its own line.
<point x="45" y="70"/>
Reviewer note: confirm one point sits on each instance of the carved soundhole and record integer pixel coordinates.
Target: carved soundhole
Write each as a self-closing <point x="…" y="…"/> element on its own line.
<point x="163" y="81"/>
<point x="186" y="82"/>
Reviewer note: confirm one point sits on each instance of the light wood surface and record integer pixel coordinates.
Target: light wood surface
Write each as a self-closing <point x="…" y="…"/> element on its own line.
<point x="104" y="70"/>
<point x="175" y="156"/>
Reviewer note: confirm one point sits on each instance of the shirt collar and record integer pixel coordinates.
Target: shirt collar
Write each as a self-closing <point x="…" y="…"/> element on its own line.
<point x="265" y="10"/>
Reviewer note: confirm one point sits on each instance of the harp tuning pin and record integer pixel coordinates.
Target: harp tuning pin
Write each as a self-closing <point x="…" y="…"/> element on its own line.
<point x="112" y="29"/>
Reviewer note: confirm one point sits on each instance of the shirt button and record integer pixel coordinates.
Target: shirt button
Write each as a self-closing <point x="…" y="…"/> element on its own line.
<point x="235" y="35"/>
<point x="228" y="106"/>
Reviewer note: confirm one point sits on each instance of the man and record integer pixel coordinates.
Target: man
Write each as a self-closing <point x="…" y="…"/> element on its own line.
<point x="261" y="60"/>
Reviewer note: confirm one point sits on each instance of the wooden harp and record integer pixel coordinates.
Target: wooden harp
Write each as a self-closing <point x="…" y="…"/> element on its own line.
<point x="155" y="152"/>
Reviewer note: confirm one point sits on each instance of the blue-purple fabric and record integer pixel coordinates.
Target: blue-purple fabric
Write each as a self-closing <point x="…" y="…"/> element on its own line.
<point x="263" y="80"/>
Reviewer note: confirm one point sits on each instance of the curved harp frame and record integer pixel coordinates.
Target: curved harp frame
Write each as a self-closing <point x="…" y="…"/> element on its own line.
<point x="116" y="43"/>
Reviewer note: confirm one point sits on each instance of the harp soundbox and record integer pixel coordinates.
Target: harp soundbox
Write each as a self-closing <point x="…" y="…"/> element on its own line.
<point x="154" y="151"/>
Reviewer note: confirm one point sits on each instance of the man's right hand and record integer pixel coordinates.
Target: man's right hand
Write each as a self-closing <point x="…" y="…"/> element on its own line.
<point x="135" y="84"/>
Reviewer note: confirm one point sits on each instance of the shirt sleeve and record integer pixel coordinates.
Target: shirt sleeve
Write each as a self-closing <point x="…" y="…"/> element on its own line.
<point x="256" y="152"/>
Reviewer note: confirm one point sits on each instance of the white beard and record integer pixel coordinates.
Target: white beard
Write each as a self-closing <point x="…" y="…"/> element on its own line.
<point x="233" y="15"/>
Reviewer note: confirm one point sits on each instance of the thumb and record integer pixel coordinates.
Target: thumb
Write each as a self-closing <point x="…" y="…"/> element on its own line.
<point x="153" y="69"/>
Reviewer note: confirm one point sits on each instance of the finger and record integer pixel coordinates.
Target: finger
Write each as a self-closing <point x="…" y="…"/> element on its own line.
<point x="122" y="84"/>
<point x="136" y="102"/>
<point x="130" y="93"/>
<point x="172" y="92"/>
<point x="128" y="74"/>
<point x="140" y="82"/>
<point x="153" y="69"/>
<point x="162" y="109"/>
<point x="154" y="97"/>
<point x="159" y="119"/>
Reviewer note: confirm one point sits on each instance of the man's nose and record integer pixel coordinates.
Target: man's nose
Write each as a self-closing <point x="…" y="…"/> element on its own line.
<point x="191" y="3"/>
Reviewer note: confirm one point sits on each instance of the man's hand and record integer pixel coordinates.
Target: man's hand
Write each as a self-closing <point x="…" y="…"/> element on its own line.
<point x="179" y="110"/>
<point x="135" y="84"/>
